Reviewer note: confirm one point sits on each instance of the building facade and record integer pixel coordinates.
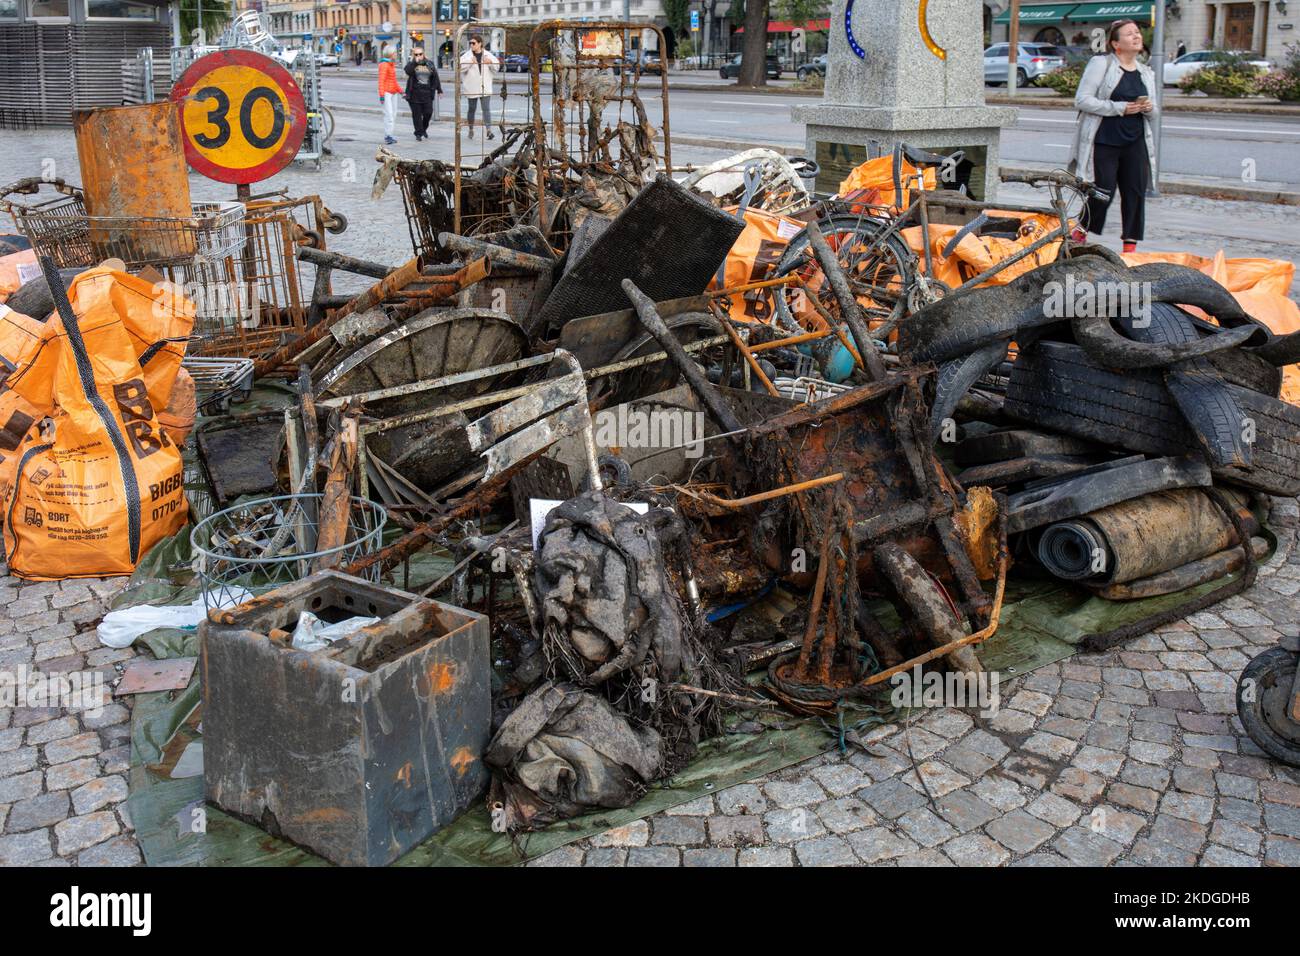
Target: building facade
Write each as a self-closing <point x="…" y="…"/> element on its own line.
<point x="1259" y="26"/>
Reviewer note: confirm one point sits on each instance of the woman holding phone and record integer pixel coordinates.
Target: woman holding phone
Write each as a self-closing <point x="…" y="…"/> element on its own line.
<point x="1114" y="146"/>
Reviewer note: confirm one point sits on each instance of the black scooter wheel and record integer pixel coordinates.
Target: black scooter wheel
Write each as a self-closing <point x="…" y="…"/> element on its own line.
<point x="1263" y="703"/>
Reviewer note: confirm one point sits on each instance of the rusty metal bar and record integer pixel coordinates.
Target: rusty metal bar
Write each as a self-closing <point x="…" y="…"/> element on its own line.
<point x="736" y="504"/>
<point x="749" y="356"/>
<point x="501" y="255"/>
<point x="337" y="260"/>
<point x="850" y="310"/>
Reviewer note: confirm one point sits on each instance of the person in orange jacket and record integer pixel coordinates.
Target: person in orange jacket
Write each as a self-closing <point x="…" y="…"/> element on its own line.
<point x="389" y="91"/>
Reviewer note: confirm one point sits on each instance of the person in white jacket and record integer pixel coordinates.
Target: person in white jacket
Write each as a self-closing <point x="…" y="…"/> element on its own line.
<point x="477" y="67"/>
<point x="1114" y="146"/>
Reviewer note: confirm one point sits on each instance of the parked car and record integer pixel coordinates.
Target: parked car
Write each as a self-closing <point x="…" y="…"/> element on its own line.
<point x="732" y="67"/>
<point x="1032" y="61"/>
<point x="814" y="67"/>
<point x="514" y="63"/>
<point x="327" y="59"/>
<point x="1191" y="62"/>
<point x="649" y="62"/>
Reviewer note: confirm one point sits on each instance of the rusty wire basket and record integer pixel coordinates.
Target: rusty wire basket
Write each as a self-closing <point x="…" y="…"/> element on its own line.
<point x="264" y="544"/>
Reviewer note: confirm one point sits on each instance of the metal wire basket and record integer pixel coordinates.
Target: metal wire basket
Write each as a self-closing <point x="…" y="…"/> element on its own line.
<point x="264" y="544"/>
<point x="64" y="232"/>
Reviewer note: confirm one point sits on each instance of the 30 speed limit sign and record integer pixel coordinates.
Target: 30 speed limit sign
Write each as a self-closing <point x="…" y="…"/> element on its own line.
<point x="242" y="116"/>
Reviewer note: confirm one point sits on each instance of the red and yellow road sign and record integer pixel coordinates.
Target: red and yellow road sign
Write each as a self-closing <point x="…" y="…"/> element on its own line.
<point x="242" y="116"/>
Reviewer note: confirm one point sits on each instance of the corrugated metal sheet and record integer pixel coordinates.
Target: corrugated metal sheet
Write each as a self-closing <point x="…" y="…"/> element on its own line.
<point x="48" y="70"/>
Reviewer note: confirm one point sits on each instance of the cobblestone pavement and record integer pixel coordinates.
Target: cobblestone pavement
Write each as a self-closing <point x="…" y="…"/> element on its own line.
<point x="1133" y="757"/>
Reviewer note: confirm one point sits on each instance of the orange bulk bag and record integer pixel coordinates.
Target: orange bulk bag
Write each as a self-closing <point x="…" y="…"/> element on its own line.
<point x="752" y="258"/>
<point x="108" y="487"/>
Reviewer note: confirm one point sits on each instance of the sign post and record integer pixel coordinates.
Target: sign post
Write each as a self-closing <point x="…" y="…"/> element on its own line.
<point x="243" y="119"/>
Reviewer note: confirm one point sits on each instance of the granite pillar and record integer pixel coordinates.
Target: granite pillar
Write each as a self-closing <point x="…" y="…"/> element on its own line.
<point x="905" y="89"/>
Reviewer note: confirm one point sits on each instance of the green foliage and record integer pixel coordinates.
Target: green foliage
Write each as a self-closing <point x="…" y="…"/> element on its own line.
<point x="1283" y="83"/>
<point x="736" y="13"/>
<point x="1231" y="77"/>
<point x="678" y="15"/>
<point x="798" y="12"/>
<point x="215" y="18"/>
<point x="1064" y="80"/>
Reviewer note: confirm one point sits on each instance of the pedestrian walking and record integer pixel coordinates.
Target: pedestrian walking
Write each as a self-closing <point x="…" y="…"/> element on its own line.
<point x="359" y="58"/>
<point x="477" y="67"/>
<point x="389" y="91"/>
<point x="1114" y="145"/>
<point x="1181" y="51"/>
<point x="422" y="85"/>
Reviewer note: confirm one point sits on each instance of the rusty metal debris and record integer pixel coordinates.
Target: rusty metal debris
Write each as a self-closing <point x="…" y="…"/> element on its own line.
<point x="606" y="455"/>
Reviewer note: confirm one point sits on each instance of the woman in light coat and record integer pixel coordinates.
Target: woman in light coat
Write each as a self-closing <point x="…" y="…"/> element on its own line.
<point x="477" y="67"/>
<point x="1114" y="146"/>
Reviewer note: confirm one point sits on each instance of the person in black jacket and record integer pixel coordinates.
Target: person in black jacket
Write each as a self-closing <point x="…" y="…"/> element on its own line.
<point x="422" y="84"/>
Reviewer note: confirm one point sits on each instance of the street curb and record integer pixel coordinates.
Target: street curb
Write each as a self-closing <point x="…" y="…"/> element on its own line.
<point x="1183" y="187"/>
<point x="1170" y="106"/>
<point x="1170" y="186"/>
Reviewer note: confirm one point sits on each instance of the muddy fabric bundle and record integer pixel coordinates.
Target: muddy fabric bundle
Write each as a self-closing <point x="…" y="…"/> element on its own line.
<point x="563" y="751"/>
<point x="606" y="599"/>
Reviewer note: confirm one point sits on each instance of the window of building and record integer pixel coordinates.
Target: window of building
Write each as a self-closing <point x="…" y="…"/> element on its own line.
<point x="8" y="9"/>
<point x="48" y="9"/>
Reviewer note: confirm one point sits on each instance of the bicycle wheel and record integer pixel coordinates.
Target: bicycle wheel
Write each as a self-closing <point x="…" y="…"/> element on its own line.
<point x="879" y="273"/>
<point x="327" y="124"/>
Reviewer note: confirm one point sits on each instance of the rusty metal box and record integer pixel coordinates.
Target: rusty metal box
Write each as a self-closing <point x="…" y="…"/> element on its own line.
<point x="357" y="751"/>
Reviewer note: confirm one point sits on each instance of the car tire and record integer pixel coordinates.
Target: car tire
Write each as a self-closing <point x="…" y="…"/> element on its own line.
<point x="1264" y="685"/>
<point x="1022" y="79"/>
<point x="722" y="72"/>
<point x="1058" y="386"/>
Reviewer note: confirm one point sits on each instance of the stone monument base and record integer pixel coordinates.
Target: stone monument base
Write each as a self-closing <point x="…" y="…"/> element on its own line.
<point x="842" y="137"/>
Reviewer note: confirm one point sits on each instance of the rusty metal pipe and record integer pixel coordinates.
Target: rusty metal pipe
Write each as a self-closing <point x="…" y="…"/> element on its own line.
<point x="694" y="375"/>
<point x="736" y="504"/>
<point x="501" y="255"/>
<point x="337" y="260"/>
<point x="850" y="310"/>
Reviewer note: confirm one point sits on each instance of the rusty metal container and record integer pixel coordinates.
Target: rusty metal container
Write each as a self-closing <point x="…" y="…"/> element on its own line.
<point x="133" y="165"/>
<point x="357" y="751"/>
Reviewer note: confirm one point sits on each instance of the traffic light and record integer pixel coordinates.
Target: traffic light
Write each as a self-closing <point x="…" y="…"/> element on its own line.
<point x="341" y="32"/>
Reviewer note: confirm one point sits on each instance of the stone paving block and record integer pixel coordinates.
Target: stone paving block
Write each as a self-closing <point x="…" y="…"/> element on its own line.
<point x="1055" y="809"/>
<point x="1216" y="855"/>
<point x="1281" y="851"/>
<point x="1079" y="785"/>
<point x="1196" y="780"/>
<point x="878" y="843"/>
<point x="1051" y="746"/>
<point x="790" y="795"/>
<point x="965" y="811"/>
<point x="654" y="856"/>
<point x="120" y="851"/>
<point x="22" y="849"/>
<point x="999" y="792"/>
<point x="699" y="807"/>
<point x="636" y="833"/>
<point x="791" y="826"/>
<point x="1020" y="832"/>
<point x="1147" y="852"/>
<point x="1282" y="820"/>
<point x="709" y="856"/>
<point x="825" y="851"/>
<point x="79" y="833"/>
<point x="926" y="858"/>
<point x="735" y="831"/>
<point x="1082" y="847"/>
<point x="846" y="815"/>
<point x="101" y="792"/>
<point x="840" y="779"/>
<point x="743" y="798"/>
<point x="1180" y="832"/>
<point x="1235" y="836"/>
<point x="1145" y="775"/>
<point x="1139" y="798"/>
<point x="605" y="856"/>
<point x="20" y="786"/>
<point x="765" y="856"/>
<point x="975" y="849"/>
<point x="1114" y="824"/>
<point x="934" y="779"/>
<point x="70" y="748"/>
<point x="924" y="827"/>
<point x="564" y="856"/>
<point x="892" y="798"/>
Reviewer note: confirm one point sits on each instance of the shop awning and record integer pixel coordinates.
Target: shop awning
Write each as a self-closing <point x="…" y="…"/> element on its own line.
<point x="1140" y="10"/>
<point x="1037" y="13"/>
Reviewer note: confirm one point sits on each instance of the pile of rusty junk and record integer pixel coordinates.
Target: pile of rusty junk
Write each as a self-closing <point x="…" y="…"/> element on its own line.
<point x="624" y="437"/>
<point x="569" y="493"/>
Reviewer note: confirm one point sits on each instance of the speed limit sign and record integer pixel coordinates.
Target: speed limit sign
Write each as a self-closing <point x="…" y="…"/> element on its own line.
<point x="242" y="116"/>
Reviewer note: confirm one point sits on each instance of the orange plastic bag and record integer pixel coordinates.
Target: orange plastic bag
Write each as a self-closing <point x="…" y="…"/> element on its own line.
<point x="108" y="487"/>
<point x="976" y="254"/>
<point x="875" y="180"/>
<point x="16" y="269"/>
<point x="752" y="258"/>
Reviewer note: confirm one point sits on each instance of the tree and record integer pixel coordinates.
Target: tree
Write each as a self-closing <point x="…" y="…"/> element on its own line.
<point x="215" y="17"/>
<point x="753" y="57"/>
<point x="753" y="53"/>
<point x="677" y="12"/>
